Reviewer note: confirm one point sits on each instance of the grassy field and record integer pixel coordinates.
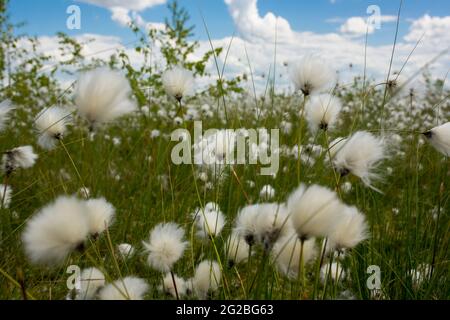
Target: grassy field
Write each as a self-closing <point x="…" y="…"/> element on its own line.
<point x="129" y="163"/>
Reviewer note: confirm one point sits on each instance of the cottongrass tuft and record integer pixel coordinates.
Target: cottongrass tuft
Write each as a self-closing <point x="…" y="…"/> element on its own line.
<point x="439" y="138"/>
<point x="209" y="221"/>
<point x="100" y="215"/>
<point x="102" y="95"/>
<point x="51" y="125"/>
<point x="92" y="280"/>
<point x="321" y="112"/>
<point x="18" y="158"/>
<point x="359" y="155"/>
<point x="350" y="229"/>
<point x="165" y="246"/>
<point x="125" y="250"/>
<point x="245" y="223"/>
<point x="128" y="288"/>
<point x="5" y="108"/>
<point x="5" y="196"/>
<point x="55" y="231"/>
<point x="337" y="272"/>
<point x="272" y="222"/>
<point x="168" y="287"/>
<point x="207" y="278"/>
<point x="237" y="249"/>
<point x="178" y="82"/>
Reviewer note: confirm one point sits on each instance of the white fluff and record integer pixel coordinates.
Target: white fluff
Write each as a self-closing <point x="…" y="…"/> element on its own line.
<point x="272" y="222"/>
<point x="207" y="278"/>
<point x="126" y="250"/>
<point x="168" y="287"/>
<point x="128" y="288"/>
<point x="103" y="95"/>
<point x="5" y="196"/>
<point x="100" y="215"/>
<point x="178" y="82"/>
<point x="55" y="231"/>
<point x="92" y="280"/>
<point x="321" y="112"/>
<point x="165" y="246"/>
<point x="313" y="210"/>
<point x="311" y="74"/>
<point x="420" y="274"/>
<point x="51" y="125"/>
<point x="20" y="157"/>
<point x="237" y="249"/>
<point x="439" y="137"/>
<point x="336" y="145"/>
<point x="5" y="108"/>
<point x="209" y="221"/>
<point x="337" y="272"/>
<point x="246" y="223"/>
<point x="360" y="155"/>
<point x="350" y="229"/>
<point x="267" y="192"/>
<point x="286" y="254"/>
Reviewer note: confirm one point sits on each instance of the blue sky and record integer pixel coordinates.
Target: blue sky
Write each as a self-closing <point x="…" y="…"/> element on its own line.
<point x="46" y="17"/>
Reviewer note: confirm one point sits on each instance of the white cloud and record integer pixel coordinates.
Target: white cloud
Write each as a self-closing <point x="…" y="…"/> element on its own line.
<point x="433" y="28"/>
<point x="135" y="5"/>
<point x="357" y="26"/>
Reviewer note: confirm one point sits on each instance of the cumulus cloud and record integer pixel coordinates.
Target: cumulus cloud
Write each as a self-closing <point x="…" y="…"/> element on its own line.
<point x="135" y="5"/>
<point x="358" y="26"/>
<point x="432" y="27"/>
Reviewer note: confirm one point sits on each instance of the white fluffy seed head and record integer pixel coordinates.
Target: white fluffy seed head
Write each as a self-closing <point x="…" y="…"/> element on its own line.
<point x="237" y="249"/>
<point x="321" y="112"/>
<point x="246" y="223"/>
<point x="209" y="221"/>
<point x="332" y="272"/>
<point x="439" y="137"/>
<point x="313" y="211"/>
<point x="51" y="125"/>
<point x="100" y="215"/>
<point x="128" y="288"/>
<point x="165" y="246"/>
<point x="178" y="82"/>
<point x="267" y="192"/>
<point x="311" y="74"/>
<point x="207" y="278"/>
<point x="20" y="157"/>
<point x="125" y="250"/>
<point x="55" y="231"/>
<point x="286" y="254"/>
<point x="272" y="222"/>
<point x="92" y="280"/>
<point x="5" y="196"/>
<point x="168" y="288"/>
<point x="103" y="95"/>
<point x="350" y="229"/>
<point x="359" y="155"/>
<point x="5" y="108"/>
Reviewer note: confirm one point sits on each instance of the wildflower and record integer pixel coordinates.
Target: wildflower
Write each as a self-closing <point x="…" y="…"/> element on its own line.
<point x="271" y="223"/>
<point x="126" y="250"/>
<point x="20" y="157"/>
<point x="209" y="221"/>
<point x="337" y="272"/>
<point x="165" y="246"/>
<point x="56" y="230"/>
<point x="246" y="223"/>
<point x="5" y="108"/>
<point x="267" y="192"/>
<point x="103" y="95"/>
<point x="207" y="278"/>
<point x="178" y="82"/>
<point x="321" y="112"/>
<point x="100" y="215"/>
<point x="313" y="211"/>
<point x="5" y="196"/>
<point x="169" y="288"/>
<point x="91" y="280"/>
<point x="311" y="74"/>
<point x="439" y="137"/>
<point x="237" y="249"/>
<point x="359" y="156"/>
<point x="51" y="125"/>
<point x="286" y="254"/>
<point x="350" y="230"/>
<point x="128" y="288"/>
